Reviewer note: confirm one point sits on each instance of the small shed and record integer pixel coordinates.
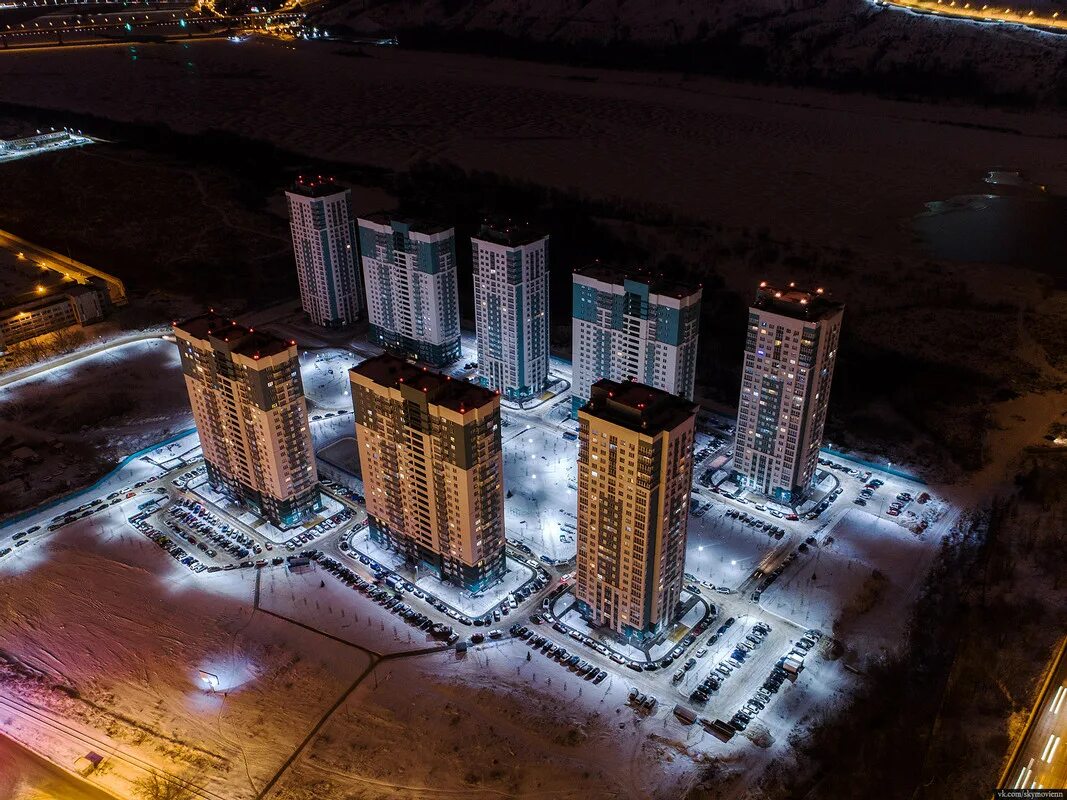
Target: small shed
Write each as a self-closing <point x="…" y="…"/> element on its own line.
<point x="90" y="762"/>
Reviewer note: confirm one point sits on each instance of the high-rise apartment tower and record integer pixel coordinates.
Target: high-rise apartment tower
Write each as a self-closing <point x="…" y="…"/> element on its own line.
<point x="785" y="390"/>
<point x="429" y="451"/>
<point x="635" y="473"/>
<point x="324" y="244"/>
<point x="412" y="296"/>
<point x="248" y="404"/>
<point x="511" y="309"/>
<point x="634" y="326"/>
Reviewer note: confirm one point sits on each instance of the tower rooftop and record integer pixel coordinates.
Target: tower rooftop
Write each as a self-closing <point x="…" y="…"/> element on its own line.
<point x="637" y="406"/>
<point x="811" y="305"/>
<point x="443" y="390"/>
<point x="225" y="334"/>
<point x="657" y="282"/>
<point x="428" y="227"/>
<point x="509" y="233"/>
<point x="317" y="186"/>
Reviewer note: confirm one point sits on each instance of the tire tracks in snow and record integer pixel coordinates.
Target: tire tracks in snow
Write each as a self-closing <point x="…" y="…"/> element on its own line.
<point x="375" y="658"/>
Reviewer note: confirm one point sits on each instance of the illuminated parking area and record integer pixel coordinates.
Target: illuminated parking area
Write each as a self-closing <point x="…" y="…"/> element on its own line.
<point x="48" y="142"/>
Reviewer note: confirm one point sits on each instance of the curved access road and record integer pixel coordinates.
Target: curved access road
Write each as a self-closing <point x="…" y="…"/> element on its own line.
<point x="25" y="373"/>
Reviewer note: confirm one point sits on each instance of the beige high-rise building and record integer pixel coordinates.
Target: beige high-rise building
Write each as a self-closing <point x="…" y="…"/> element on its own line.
<point x="785" y="390"/>
<point x="635" y="474"/>
<point x="250" y="412"/>
<point x="429" y="451"/>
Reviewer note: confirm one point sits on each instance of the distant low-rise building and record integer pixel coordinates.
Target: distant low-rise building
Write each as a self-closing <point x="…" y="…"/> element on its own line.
<point x="53" y="309"/>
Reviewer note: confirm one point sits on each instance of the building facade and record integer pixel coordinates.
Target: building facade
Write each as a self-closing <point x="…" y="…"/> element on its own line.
<point x="429" y="451"/>
<point x="785" y="390"/>
<point x="409" y="270"/>
<point x="635" y="473"/>
<point x="511" y="309"/>
<point x="324" y="244"/>
<point x="248" y="404"/>
<point x="53" y="308"/>
<point x="638" y="327"/>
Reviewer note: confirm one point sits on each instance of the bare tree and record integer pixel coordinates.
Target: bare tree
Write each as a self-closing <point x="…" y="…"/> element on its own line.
<point x="158" y="785"/>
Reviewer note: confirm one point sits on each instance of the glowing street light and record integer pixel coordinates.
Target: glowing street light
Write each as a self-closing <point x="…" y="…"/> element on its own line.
<point x="210" y="679"/>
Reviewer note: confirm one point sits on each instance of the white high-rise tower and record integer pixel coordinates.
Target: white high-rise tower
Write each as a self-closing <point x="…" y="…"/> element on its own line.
<point x="511" y="309"/>
<point x="324" y="243"/>
<point x="412" y="292"/>
<point x="633" y="326"/>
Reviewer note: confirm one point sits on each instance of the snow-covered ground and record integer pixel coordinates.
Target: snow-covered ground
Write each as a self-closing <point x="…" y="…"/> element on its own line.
<point x="540" y="474"/>
<point x="722" y="551"/>
<point x="491" y="723"/>
<point x="135" y="644"/>
<point x="823" y="586"/>
<point x="325" y="377"/>
<point x="80" y="418"/>
<point x="109" y="635"/>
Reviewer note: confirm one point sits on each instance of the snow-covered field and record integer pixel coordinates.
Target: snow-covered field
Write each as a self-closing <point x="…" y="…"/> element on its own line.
<point x="822" y="588"/>
<point x="492" y="724"/>
<point x="82" y="417"/>
<point x="109" y="634"/>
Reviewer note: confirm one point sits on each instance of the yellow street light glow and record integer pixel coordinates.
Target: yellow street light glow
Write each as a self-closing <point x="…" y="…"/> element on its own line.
<point x="40" y="289"/>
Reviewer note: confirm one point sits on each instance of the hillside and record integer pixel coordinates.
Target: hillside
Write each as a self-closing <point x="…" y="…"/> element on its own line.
<point x="847" y="44"/>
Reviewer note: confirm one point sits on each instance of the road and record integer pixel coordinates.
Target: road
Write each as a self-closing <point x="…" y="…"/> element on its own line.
<point x="984" y="14"/>
<point x="22" y="248"/>
<point x="127" y="28"/>
<point x="27" y="776"/>
<point x="1041" y="759"/>
<point x="15" y="376"/>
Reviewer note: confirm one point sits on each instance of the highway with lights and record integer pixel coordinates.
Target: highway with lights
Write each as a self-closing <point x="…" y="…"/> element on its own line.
<point x="78" y="26"/>
<point x="1000" y="13"/>
<point x="1040" y="760"/>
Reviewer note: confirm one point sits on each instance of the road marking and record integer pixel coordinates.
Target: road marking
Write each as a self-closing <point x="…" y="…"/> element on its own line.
<point x="1050" y="748"/>
<point x="1024" y="775"/>
<point x="1057" y="700"/>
